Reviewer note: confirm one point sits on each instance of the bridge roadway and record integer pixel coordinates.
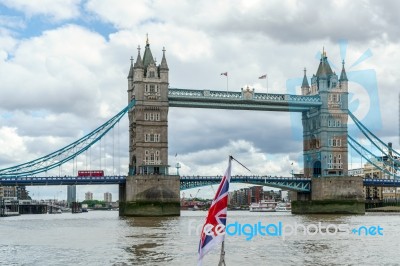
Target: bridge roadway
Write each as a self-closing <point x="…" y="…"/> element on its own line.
<point x="187" y="182"/>
<point x="245" y="100"/>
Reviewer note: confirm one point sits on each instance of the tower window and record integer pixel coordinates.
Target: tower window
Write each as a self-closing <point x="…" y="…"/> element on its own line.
<point x="155" y="116"/>
<point x="335" y="142"/>
<point x="151" y="74"/>
<point x="152" y="157"/>
<point x="151" y="137"/>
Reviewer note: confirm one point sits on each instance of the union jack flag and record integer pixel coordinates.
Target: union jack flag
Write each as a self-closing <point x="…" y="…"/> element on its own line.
<point x="216" y="217"/>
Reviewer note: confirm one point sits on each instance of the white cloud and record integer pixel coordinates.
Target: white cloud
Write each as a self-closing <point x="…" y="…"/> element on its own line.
<point x="56" y="10"/>
<point x="209" y="162"/>
<point x="123" y="14"/>
<point x="13" y="147"/>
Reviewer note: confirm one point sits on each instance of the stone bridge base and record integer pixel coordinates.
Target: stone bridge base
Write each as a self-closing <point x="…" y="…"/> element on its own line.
<point x="150" y="195"/>
<point x="330" y="195"/>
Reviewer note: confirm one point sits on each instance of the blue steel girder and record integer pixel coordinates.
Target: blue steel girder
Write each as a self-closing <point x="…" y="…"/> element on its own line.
<point x="376" y="182"/>
<point x="244" y="100"/>
<point x="61" y="180"/>
<point x="285" y="183"/>
<point x="186" y="182"/>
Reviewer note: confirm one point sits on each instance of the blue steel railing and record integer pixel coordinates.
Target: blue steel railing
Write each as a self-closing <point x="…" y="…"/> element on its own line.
<point x="244" y="100"/>
<point x="288" y="183"/>
<point x="186" y="182"/>
<point x="61" y="180"/>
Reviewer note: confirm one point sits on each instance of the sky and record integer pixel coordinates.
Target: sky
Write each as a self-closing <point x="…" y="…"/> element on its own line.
<point x="64" y="67"/>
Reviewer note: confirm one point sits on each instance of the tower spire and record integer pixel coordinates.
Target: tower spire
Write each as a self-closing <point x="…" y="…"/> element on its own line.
<point x="343" y="75"/>
<point x="147" y="56"/>
<point x="163" y="64"/>
<point x="139" y="63"/>
<point x="305" y="81"/>
<point x="324" y="69"/>
<point x="130" y="75"/>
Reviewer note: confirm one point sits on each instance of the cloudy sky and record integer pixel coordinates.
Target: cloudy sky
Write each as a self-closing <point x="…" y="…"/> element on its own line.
<point x="63" y="69"/>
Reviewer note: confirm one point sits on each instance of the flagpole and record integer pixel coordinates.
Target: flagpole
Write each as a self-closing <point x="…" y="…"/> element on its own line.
<point x="227" y="78"/>
<point x="222" y="256"/>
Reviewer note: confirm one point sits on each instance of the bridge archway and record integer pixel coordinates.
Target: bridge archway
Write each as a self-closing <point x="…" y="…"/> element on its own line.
<point x="317" y="169"/>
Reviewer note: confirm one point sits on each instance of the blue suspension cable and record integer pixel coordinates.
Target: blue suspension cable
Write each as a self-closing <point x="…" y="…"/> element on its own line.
<point x="354" y="143"/>
<point x="367" y="132"/>
<point x="65" y="154"/>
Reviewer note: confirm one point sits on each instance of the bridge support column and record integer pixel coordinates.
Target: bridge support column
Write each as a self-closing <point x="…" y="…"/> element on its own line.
<point x="337" y="194"/>
<point x="151" y="195"/>
<point x="121" y="200"/>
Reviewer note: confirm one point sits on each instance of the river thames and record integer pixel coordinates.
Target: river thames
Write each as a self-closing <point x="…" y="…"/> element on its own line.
<point x="103" y="238"/>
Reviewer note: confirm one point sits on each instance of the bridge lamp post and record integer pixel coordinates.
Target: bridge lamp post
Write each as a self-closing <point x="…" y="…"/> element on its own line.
<point x="178" y="165"/>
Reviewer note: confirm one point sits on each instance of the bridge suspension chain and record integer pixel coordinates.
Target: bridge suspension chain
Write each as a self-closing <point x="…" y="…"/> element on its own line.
<point x="364" y="152"/>
<point x="370" y="136"/>
<point x="65" y="154"/>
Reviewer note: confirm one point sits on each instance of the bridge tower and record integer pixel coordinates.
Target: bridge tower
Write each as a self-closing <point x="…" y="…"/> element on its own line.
<point x="325" y="151"/>
<point x="149" y="189"/>
<point x="325" y="128"/>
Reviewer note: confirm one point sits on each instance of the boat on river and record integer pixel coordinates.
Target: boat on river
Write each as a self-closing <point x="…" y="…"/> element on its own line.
<point x="283" y="207"/>
<point x="263" y="206"/>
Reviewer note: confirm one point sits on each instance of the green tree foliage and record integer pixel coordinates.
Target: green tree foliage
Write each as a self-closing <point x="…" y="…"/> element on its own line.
<point x="91" y="203"/>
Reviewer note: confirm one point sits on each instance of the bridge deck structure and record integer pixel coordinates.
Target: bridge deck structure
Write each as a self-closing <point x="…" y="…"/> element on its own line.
<point x="186" y="182"/>
<point x="244" y="100"/>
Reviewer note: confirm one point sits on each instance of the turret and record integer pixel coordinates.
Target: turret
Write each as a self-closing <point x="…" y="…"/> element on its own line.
<point x="130" y="81"/>
<point x="305" y="88"/>
<point x="324" y="72"/>
<point x="343" y="78"/>
<point x="163" y="68"/>
<point x="138" y="68"/>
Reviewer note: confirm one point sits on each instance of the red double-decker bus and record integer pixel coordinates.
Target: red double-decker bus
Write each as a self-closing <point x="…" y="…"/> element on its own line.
<point x="90" y="173"/>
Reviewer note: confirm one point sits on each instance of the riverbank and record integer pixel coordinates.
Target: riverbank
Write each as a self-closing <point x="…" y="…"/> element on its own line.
<point x="385" y="209"/>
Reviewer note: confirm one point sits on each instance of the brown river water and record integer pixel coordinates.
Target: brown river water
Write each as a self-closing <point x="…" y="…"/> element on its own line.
<point x="103" y="238"/>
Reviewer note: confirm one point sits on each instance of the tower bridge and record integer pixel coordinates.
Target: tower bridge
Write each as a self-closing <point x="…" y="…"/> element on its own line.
<point x="297" y="184"/>
<point x="150" y="190"/>
<point x="324" y="108"/>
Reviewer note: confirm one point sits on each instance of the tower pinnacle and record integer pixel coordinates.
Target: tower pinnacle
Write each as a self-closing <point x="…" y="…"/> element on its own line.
<point x="139" y="63"/>
<point x="164" y="64"/>
<point x="343" y="75"/>
<point x="305" y="81"/>
<point x="130" y="75"/>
